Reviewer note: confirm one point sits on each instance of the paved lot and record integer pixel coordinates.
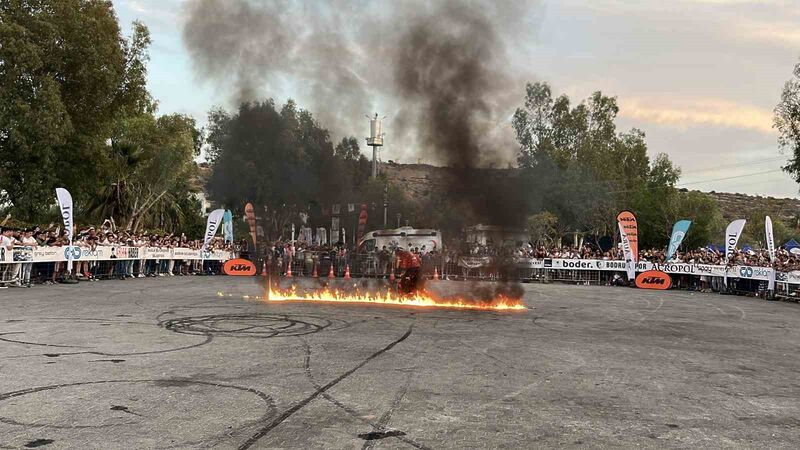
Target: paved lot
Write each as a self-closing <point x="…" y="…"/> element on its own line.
<point x="165" y="363"/>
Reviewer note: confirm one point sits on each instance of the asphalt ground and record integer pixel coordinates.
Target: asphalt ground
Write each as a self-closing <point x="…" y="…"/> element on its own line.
<point x="167" y="363"/>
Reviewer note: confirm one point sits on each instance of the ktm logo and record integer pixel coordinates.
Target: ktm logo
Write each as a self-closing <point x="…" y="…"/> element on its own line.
<point x="653" y="279"/>
<point x="239" y="267"/>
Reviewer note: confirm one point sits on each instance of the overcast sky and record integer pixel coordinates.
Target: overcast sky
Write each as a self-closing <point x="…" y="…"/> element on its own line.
<point x="700" y="77"/>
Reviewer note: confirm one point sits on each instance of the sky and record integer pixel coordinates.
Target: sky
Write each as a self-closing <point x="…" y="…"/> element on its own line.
<point x="700" y="77"/>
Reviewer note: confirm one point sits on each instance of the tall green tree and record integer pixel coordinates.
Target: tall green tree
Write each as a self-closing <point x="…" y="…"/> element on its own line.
<point x="579" y="167"/>
<point x="787" y="122"/>
<point x="150" y="172"/>
<point x="283" y="161"/>
<point x="66" y="75"/>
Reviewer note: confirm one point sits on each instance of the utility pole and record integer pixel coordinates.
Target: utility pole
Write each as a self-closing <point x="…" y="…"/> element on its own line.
<point x="385" y="206"/>
<point x="375" y="140"/>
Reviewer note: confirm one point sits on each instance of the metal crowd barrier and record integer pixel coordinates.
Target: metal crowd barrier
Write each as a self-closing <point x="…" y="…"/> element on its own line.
<point x="54" y="272"/>
<point x="323" y="264"/>
<point x="307" y="264"/>
<point x="20" y="266"/>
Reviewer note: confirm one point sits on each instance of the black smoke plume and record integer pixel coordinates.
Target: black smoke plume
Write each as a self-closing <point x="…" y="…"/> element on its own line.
<point x="439" y="69"/>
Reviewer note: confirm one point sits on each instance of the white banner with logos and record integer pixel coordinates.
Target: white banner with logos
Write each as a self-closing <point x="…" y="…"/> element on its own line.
<point x="110" y="253"/>
<point x="747" y="272"/>
<point x="106" y="253"/>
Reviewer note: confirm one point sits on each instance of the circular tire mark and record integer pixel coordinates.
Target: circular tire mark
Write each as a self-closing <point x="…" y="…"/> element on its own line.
<point x="256" y="325"/>
<point x="270" y="412"/>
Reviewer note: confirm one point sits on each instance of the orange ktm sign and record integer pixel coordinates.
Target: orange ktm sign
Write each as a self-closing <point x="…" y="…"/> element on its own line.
<point x="653" y="279"/>
<point x="631" y="229"/>
<point x="239" y="268"/>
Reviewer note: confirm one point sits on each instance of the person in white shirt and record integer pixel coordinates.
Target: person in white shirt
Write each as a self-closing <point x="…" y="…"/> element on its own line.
<point x="27" y="240"/>
<point x="7" y="270"/>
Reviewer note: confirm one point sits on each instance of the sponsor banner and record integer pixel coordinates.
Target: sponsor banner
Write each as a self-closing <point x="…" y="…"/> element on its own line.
<point x="770" y="249"/>
<point x="22" y="254"/>
<point x="630" y="228"/>
<point x="629" y="235"/>
<point x="109" y="253"/>
<point x="788" y="277"/>
<point x="157" y="253"/>
<point x="48" y="254"/>
<point x="749" y="272"/>
<point x="213" y="224"/>
<point x="362" y="223"/>
<point x="653" y="279"/>
<point x="473" y="262"/>
<point x="770" y="238"/>
<point x="185" y="253"/>
<point x="628" y="253"/>
<point x="227" y="227"/>
<point x="679" y="231"/>
<point x="732" y="235"/>
<point x="65" y="206"/>
<point x="239" y="267"/>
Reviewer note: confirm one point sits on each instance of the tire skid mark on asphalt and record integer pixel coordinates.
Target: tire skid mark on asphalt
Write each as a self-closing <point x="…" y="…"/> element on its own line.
<point x="303" y="403"/>
<point x="360" y="417"/>
<point x="271" y="410"/>
<point x="484" y="354"/>
<point x="384" y="420"/>
<point x="742" y="314"/>
<point x="207" y="340"/>
<point x="650" y="313"/>
<point x="98" y="319"/>
<point x="34" y="343"/>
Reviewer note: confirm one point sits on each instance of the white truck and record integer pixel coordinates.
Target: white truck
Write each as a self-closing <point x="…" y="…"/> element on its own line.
<point x="406" y="237"/>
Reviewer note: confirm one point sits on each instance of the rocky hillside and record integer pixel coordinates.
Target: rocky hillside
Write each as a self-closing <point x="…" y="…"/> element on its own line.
<point x="423" y="179"/>
<point x="734" y="206"/>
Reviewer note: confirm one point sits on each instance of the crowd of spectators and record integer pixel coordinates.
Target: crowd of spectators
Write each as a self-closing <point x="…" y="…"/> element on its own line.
<point x="90" y="238"/>
<point x="305" y="258"/>
<point x="785" y="260"/>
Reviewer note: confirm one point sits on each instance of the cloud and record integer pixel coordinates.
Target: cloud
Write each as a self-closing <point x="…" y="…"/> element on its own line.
<point x="697" y="112"/>
<point x="776" y="33"/>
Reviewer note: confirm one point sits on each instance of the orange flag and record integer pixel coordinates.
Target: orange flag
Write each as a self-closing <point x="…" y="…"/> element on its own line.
<point x="628" y="225"/>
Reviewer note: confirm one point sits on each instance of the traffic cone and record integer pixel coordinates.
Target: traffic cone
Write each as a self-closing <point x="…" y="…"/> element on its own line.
<point x="347" y="272"/>
<point x="330" y="273"/>
<point x="314" y="272"/>
<point x="264" y="269"/>
<point x="289" y="270"/>
<point x="435" y="273"/>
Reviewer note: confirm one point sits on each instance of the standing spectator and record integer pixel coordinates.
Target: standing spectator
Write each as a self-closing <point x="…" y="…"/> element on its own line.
<point x="7" y="248"/>
<point x="28" y="241"/>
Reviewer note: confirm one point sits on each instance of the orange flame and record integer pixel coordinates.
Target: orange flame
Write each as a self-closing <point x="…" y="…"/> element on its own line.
<point x="388" y="297"/>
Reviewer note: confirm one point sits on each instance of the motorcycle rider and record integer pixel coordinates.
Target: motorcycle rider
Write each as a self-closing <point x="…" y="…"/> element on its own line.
<point x="409" y="263"/>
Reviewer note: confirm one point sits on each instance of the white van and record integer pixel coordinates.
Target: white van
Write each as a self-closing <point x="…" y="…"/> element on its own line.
<point x="406" y="237"/>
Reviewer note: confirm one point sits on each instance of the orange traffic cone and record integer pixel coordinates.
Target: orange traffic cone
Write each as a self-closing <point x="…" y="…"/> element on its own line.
<point x="264" y="269"/>
<point x="330" y="273"/>
<point x="347" y="272"/>
<point x="314" y="271"/>
<point x="289" y="270"/>
<point x="435" y="273"/>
